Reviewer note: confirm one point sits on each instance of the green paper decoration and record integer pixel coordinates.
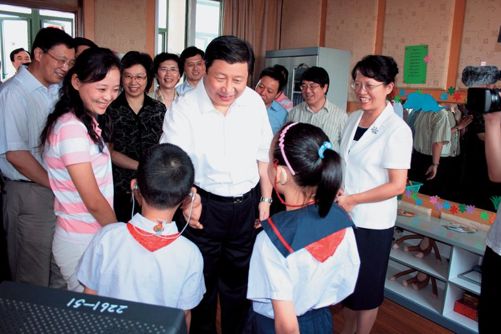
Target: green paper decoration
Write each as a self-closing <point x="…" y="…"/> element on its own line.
<point x="495" y="201"/>
<point x="462" y="208"/>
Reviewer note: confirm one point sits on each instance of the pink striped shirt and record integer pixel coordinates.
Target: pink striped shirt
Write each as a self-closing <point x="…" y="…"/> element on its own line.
<point x="69" y="144"/>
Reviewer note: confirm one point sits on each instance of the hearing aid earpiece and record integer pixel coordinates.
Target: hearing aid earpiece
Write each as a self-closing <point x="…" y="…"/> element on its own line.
<point x="282" y="175"/>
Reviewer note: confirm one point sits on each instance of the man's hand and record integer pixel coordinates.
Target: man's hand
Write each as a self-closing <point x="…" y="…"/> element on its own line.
<point x="431" y="172"/>
<point x="264" y="213"/>
<point x="193" y="203"/>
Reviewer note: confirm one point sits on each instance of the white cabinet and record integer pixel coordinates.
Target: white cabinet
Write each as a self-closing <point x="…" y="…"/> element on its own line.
<point x="460" y="252"/>
<point x="336" y="62"/>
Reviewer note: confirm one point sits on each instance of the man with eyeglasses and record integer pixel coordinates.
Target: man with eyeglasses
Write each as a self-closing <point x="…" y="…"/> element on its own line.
<point x="25" y="102"/>
<point x="316" y="108"/>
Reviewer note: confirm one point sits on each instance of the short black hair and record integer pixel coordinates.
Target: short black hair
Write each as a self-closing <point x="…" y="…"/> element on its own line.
<point x="165" y="176"/>
<point x="190" y="51"/>
<point x="301" y="146"/>
<point x="275" y="74"/>
<point x="230" y="49"/>
<point x="49" y="37"/>
<point x="316" y="74"/>
<point x="161" y="57"/>
<point x="15" y="52"/>
<point x="84" y="41"/>
<point x="282" y="70"/>
<point x="132" y="58"/>
<point x="381" y="68"/>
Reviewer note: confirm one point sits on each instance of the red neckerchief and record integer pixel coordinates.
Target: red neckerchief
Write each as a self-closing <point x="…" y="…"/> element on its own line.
<point x="151" y="241"/>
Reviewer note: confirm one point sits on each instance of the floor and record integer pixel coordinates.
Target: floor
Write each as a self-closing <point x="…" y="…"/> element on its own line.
<point x="395" y="319"/>
<point x="392" y="319"/>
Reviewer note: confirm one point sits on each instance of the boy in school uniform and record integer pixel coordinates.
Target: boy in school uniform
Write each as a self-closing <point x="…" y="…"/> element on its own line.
<point x="148" y="260"/>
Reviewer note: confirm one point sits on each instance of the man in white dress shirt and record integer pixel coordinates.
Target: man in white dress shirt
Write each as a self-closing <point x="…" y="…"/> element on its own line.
<point x="223" y="126"/>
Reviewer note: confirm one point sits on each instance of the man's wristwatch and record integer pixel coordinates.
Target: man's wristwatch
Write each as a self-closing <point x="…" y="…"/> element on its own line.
<point x="266" y="199"/>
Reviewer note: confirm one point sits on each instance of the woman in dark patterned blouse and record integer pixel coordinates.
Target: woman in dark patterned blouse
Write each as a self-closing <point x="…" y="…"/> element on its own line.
<point x="134" y="123"/>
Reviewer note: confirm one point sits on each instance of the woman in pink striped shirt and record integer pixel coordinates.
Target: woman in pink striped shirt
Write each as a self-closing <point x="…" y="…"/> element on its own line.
<point x="77" y="160"/>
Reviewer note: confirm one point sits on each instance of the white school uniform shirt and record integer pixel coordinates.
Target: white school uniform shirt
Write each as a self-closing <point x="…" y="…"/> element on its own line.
<point x="224" y="149"/>
<point x="116" y="265"/>
<point x="387" y="144"/>
<point x="299" y="277"/>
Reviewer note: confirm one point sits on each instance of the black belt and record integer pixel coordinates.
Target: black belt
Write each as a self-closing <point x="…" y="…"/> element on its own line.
<point x="24" y="181"/>
<point x="224" y="199"/>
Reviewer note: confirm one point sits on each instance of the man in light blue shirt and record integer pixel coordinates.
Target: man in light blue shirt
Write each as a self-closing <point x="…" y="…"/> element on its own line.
<point x="271" y="84"/>
<point x="193" y="64"/>
<point x="25" y="102"/>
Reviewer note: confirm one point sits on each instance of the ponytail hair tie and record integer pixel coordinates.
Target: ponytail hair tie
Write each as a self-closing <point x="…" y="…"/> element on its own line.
<point x="325" y="146"/>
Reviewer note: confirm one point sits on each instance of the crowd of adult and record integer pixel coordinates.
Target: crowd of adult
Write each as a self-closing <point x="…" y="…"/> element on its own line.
<point x="80" y="153"/>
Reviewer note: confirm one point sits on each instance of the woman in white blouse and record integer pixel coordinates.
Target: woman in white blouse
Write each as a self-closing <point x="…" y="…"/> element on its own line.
<point x="376" y="148"/>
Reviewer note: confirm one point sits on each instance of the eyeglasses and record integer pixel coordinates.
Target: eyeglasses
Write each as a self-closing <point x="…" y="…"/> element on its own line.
<point x="62" y="61"/>
<point x="137" y="77"/>
<point x="358" y="86"/>
<point x="168" y="69"/>
<point x="311" y="86"/>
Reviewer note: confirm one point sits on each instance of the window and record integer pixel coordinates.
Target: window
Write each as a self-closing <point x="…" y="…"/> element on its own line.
<point x="207" y="24"/>
<point x="19" y="25"/>
<point x="171" y="17"/>
<point x="181" y="23"/>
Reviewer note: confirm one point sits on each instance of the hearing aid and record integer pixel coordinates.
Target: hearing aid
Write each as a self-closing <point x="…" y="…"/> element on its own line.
<point x="282" y="175"/>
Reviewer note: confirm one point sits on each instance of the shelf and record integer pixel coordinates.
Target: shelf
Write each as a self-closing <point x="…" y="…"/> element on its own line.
<point x="463" y="261"/>
<point x="454" y="293"/>
<point x="434" y="228"/>
<point x="466" y="285"/>
<point x="429" y="264"/>
<point x="424" y="297"/>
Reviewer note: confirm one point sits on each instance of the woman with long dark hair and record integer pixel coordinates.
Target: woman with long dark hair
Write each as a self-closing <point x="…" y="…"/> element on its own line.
<point x="78" y="161"/>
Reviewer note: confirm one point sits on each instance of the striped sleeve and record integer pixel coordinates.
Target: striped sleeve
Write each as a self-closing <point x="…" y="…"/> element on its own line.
<point x="73" y="143"/>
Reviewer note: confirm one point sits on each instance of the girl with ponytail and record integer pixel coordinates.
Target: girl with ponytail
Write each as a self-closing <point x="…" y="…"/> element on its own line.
<point x="306" y="258"/>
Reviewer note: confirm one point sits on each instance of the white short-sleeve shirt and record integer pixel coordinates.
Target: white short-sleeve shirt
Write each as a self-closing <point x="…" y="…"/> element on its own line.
<point x="224" y="149"/>
<point x="116" y="265"/>
<point x="387" y="144"/>
<point x="299" y="277"/>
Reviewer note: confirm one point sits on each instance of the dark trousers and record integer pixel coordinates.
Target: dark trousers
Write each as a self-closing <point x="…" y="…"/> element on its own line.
<point x="226" y="243"/>
<point x="444" y="183"/>
<point x="489" y="308"/>
<point x="318" y="321"/>
<point x="122" y="205"/>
